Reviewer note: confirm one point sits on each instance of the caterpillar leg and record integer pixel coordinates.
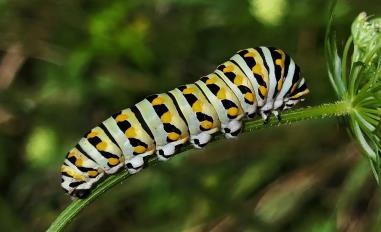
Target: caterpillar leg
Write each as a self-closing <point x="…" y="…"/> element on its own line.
<point x="265" y="116"/>
<point x="82" y="191"/>
<point x="267" y="109"/>
<point x="135" y="164"/>
<point x="168" y="150"/>
<point x="276" y="114"/>
<point x="252" y="115"/>
<point x="165" y="152"/>
<point x="200" y="140"/>
<point x="232" y="129"/>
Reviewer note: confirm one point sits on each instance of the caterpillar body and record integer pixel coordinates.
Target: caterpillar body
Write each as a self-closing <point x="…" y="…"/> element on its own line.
<point x="254" y="81"/>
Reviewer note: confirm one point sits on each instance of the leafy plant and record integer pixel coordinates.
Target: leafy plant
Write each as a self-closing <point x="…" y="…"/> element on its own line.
<point x="356" y="79"/>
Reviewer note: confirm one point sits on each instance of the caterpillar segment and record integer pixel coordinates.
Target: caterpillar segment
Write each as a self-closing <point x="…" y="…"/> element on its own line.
<point x="225" y="103"/>
<point x="135" y="141"/>
<point x="164" y="121"/>
<point x="255" y="68"/>
<point x="278" y="62"/>
<point x="237" y="81"/>
<point x="100" y="147"/>
<point x="291" y="76"/>
<point x="261" y="80"/>
<point x="272" y="89"/>
<point x="199" y="114"/>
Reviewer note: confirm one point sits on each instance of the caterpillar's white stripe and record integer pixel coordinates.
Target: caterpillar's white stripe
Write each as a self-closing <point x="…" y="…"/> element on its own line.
<point x="153" y="121"/>
<point x="92" y="152"/>
<point x="190" y="116"/>
<point x="221" y="112"/>
<point x="119" y="136"/>
<point x="287" y="82"/>
<point x="272" y="79"/>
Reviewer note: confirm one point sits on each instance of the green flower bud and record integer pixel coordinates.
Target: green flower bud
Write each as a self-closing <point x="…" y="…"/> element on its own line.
<point x="366" y="35"/>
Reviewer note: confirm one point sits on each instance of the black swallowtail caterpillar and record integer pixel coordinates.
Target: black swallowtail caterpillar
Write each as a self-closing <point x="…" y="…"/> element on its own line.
<point x="254" y="81"/>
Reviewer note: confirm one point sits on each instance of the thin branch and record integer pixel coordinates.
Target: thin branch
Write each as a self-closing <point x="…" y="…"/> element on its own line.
<point x="10" y="64"/>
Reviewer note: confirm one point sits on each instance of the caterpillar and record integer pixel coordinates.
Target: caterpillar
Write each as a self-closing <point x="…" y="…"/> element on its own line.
<point x="262" y="80"/>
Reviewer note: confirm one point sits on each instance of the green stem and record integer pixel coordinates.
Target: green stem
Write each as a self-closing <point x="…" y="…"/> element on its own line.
<point x="322" y="111"/>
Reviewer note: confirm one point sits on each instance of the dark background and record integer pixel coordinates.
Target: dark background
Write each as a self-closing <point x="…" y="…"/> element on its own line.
<point x="67" y="65"/>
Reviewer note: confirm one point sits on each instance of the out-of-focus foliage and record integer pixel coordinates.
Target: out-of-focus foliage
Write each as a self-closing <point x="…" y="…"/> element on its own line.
<point x="67" y="65"/>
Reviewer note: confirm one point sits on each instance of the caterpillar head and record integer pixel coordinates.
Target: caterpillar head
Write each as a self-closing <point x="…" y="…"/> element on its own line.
<point x="296" y="95"/>
<point x="77" y="184"/>
<point x="290" y="103"/>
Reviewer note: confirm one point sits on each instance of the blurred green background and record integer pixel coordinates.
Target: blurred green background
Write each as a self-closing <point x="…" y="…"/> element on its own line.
<point x="67" y="65"/>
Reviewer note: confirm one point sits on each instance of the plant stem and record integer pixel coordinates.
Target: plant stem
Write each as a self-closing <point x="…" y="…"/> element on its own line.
<point x="322" y="111"/>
